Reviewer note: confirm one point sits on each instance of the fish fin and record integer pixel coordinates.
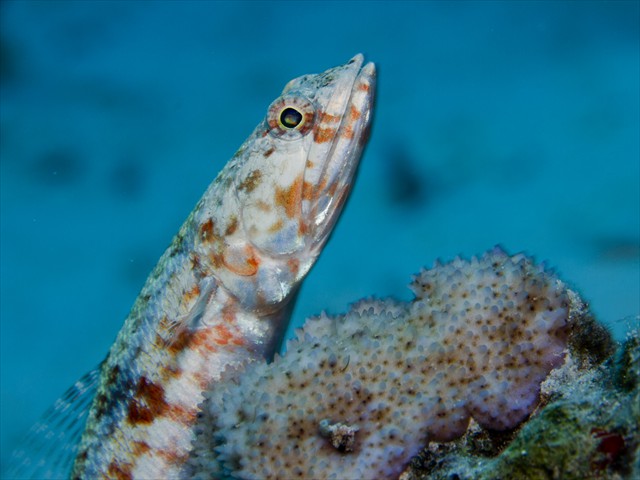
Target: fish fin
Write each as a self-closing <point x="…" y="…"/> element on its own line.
<point x="50" y="447"/>
<point x="190" y="321"/>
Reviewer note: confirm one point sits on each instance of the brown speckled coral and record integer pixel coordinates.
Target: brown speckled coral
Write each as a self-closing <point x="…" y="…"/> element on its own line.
<point x="477" y="341"/>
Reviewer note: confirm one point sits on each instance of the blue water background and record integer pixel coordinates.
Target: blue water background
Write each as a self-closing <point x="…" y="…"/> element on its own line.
<point x="497" y="122"/>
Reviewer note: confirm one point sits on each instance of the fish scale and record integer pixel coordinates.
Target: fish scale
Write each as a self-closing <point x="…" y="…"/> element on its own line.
<point x="222" y="293"/>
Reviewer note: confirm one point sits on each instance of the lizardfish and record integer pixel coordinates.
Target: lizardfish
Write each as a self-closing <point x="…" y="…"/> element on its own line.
<point x="221" y="295"/>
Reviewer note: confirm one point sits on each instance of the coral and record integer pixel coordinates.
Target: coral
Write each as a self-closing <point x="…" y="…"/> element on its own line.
<point x="587" y="428"/>
<point x="357" y="396"/>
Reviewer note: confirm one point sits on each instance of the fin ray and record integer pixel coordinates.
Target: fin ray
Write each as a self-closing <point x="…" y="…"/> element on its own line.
<point x="49" y="448"/>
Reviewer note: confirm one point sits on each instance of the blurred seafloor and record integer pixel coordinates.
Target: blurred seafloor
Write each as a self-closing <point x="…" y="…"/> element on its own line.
<point x="497" y="122"/>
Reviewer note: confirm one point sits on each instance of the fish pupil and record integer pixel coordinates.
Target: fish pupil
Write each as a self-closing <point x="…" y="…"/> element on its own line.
<point x="290" y="117"/>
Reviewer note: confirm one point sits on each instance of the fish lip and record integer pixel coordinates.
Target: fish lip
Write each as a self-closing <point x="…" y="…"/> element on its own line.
<point x="336" y="179"/>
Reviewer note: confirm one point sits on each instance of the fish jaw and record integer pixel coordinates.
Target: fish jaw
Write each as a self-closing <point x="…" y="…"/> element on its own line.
<point x="336" y="152"/>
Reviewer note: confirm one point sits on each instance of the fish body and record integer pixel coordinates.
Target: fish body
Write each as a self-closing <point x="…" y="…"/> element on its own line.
<point x="221" y="295"/>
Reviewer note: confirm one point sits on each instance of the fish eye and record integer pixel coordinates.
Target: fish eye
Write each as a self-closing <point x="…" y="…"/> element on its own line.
<point x="290" y="116"/>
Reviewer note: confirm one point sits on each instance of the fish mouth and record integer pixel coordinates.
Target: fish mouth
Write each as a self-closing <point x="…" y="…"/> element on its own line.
<point x="338" y="147"/>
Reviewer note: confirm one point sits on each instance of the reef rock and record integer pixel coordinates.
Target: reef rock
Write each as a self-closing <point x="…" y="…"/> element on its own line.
<point x="586" y="426"/>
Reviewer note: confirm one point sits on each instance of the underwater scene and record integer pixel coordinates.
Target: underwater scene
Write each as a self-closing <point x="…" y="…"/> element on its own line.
<point x="510" y="124"/>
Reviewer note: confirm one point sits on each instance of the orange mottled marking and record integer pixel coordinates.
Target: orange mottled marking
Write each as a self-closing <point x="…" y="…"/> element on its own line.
<point x="224" y="334"/>
<point x="185" y="416"/>
<point x="323" y="184"/>
<point x="268" y="153"/>
<point x="206" y="231"/>
<point x="147" y="403"/>
<point x="192" y="294"/>
<point x="307" y="191"/>
<point x="308" y="118"/>
<point x="303" y="228"/>
<point x="202" y="379"/>
<point x="165" y="323"/>
<point x="170" y="372"/>
<point x="364" y="87"/>
<point x="140" y="448"/>
<point x="328" y="118"/>
<point x="195" y="262"/>
<point x="310" y="164"/>
<point x="348" y="132"/>
<point x="138" y="413"/>
<point x="233" y="226"/>
<point x="332" y="189"/>
<point x="120" y="472"/>
<point x="322" y="135"/>
<point x="254" y="177"/>
<point x="289" y="198"/>
<point x="205" y="339"/>
<point x="246" y="264"/>
<point x="294" y="265"/>
<point x="276" y="227"/>
<point x="229" y="313"/>
<point x="216" y="259"/>
<point x="172" y="457"/>
<point x="354" y="113"/>
<point x="180" y="341"/>
<point x="192" y="340"/>
<point x="264" y="206"/>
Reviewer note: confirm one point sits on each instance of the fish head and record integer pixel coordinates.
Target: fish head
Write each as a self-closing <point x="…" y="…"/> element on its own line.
<point x="291" y="179"/>
<point x="314" y="136"/>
